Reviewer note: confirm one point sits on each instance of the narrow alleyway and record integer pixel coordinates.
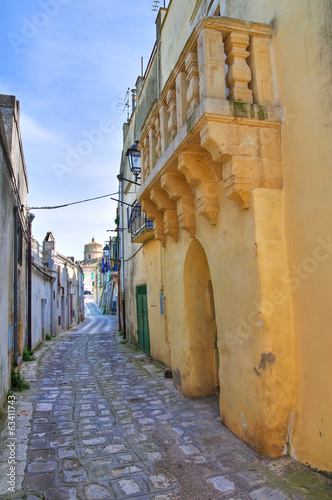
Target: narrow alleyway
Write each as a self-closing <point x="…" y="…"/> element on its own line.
<point x="100" y="421"/>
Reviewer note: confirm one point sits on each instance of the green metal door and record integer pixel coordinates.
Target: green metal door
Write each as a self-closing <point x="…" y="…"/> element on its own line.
<point x="142" y="319"/>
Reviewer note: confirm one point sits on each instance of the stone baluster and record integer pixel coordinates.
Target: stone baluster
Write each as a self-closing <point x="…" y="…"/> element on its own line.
<point x="172" y="122"/>
<point x="152" y="147"/>
<point x="193" y="79"/>
<point x="181" y="99"/>
<point x="261" y="68"/>
<point x="239" y="74"/>
<point x="141" y="149"/>
<point x="157" y="136"/>
<point x="210" y="54"/>
<point x="145" y="155"/>
<point x="164" y="132"/>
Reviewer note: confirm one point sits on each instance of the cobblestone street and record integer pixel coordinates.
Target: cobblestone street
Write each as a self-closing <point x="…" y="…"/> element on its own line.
<point x="100" y="421"/>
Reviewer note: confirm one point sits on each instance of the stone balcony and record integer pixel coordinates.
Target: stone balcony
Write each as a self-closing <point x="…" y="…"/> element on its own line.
<point x="216" y="121"/>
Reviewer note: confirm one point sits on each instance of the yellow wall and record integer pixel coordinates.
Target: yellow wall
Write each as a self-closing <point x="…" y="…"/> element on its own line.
<point x="307" y="150"/>
<point x="147" y="270"/>
<point x="254" y="333"/>
<point x="270" y="265"/>
<point x="302" y="54"/>
<point x="177" y="21"/>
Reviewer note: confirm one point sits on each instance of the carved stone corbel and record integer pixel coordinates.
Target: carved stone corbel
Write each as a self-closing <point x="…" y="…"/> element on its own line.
<point x="230" y="139"/>
<point x="163" y="202"/>
<point x="178" y="190"/>
<point x="151" y="210"/>
<point x="201" y="172"/>
<point x="241" y="175"/>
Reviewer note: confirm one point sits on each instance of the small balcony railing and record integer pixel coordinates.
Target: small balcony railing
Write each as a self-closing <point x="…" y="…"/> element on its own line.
<point x="140" y="227"/>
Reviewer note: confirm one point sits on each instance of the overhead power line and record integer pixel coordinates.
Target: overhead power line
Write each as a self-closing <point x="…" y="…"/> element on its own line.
<point x="73" y="203"/>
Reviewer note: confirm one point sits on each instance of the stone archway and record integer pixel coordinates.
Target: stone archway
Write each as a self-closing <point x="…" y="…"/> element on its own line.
<point x="200" y="370"/>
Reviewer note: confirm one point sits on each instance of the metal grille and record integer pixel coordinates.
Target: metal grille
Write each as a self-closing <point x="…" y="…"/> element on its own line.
<point x="138" y="221"/>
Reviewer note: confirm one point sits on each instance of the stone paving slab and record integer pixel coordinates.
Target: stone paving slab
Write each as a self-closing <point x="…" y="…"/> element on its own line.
<point x="100" y="421"/>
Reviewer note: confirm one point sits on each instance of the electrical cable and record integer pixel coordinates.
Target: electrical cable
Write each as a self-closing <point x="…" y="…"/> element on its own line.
<point x="140" y="248"/>
<point x="73" y="203"/>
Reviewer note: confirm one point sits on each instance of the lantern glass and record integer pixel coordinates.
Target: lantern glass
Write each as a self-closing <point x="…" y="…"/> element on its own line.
<point x="134" y="157"/>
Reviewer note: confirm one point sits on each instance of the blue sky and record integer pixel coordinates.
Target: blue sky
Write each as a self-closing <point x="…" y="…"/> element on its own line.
<point x="69" y="63"/>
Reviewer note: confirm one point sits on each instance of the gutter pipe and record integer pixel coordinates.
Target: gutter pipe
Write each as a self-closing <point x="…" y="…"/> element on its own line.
<point x="30" y="219"/>
<point x="16" y="353"/>
<point x="123" y="322"/>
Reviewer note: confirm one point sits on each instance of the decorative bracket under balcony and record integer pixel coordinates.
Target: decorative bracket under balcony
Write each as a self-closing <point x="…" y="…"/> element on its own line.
<point x="168" y="207"/>
<point x="201" y="172"/>
<point x="154" y="214"/>
<point x="178" y="190"/>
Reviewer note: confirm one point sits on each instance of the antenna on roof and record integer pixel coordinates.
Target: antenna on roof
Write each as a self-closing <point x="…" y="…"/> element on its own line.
<point x="123" y="104"/>
<point x="155" y="5"/>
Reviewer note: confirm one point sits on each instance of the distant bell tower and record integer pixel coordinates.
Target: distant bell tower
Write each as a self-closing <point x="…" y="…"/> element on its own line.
<point x="92" y="250"/>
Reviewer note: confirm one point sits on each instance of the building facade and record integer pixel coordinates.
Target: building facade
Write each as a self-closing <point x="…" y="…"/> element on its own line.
<point x="230" y="288"/>
<point x="92" y="254"/>
<point x="106" y="282"/>
<point x="13" y="242"/>
<point x="57" y="290"/>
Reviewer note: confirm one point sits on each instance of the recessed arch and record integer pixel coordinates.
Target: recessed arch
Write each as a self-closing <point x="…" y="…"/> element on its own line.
<point x="199" y="375"/>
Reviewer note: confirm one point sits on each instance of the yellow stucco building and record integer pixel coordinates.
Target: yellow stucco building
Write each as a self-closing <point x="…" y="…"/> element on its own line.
<point x="230" y="287"/>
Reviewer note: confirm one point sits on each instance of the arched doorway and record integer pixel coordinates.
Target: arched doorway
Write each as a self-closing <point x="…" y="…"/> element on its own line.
<point x="201" y="360"/>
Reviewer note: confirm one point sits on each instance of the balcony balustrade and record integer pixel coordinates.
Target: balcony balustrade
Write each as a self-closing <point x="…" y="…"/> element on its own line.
<point x="140" y="227"/>
<point x="216" y="121"/>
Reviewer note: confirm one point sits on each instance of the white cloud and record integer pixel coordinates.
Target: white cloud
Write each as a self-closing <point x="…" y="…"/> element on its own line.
<point x="68" y="78"/>
<point x="33" y="131"/>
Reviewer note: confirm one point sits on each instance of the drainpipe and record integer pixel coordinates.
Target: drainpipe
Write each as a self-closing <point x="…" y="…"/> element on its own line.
<point x="53" y="280"/>
<point x="121" y="249"/>
<point x="119" y="296"/>
<point x="119" y="262"/>
<point x="30" y="219"/>
<point x="16" y="353"/>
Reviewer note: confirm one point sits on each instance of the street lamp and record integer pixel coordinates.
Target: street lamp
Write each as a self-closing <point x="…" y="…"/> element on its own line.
<point x="134" y="157"/>
<point x="106" y="251"/>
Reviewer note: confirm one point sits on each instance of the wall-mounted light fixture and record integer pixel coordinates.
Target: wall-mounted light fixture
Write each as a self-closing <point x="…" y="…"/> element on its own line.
<point x="134" y="157"/>
<point x="121" y="178"/>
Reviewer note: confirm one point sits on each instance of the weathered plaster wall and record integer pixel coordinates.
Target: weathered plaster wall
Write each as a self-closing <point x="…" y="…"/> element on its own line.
<point x="12" y="177"/>
<point x="177" y="21"/>
<point x="307" y="150"/>
<point x="6" y="299"/>
<point x="145" y="99"/>
<point x="41" y="307"/>
<point x="302" y="52"/>
<point x="51" y="301"/>
<point x="270" y="265"/>
<point x="246" y="256"/>
<point x="147" y="270"/>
